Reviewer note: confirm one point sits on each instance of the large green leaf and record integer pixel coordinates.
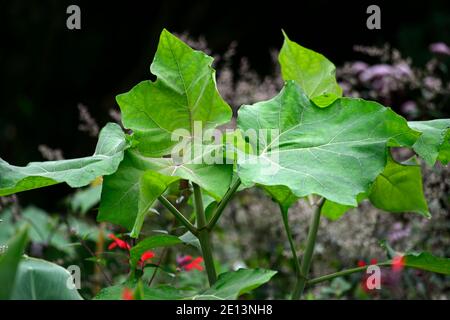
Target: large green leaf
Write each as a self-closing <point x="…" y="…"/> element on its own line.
<point x="181" y="103"/>
<point x="150" y="243"/>
<point x="230" y="285"/>
<point x="434" y="143"/>
<point x="128" y="194"/>
<point x="38" y="279"/>
<point x="399" y="189"/>
<point x="9" y="262"/>
<point x="311" y="70"/>
<point x="75" y="172"/>
<point x="161" y="292"/>
<point x="428" y="262"/>
<point x="335" y="152"/>
<point x="184" y="93"/>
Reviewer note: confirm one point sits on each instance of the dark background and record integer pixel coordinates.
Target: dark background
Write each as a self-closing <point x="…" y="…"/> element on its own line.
<point x="46" y="69"/>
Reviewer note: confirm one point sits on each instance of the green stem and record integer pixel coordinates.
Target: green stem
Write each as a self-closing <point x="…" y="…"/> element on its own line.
<point x="204" y="236"/>
<point x="182" y="219"/>
<point x="344" y="273"/>
<point x="309" y="250"/>
<point x="223" y="203"/>
<point x="295" y="261"/>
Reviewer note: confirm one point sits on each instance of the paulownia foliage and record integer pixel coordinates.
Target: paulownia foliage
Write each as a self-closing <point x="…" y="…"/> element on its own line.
<point x="434" y="143"/>
<point x="335" y="152"/>
<point x="397" y="189"/>
<point x="184" y="92"/>
<point x="183" y="96"/>
<point x="319" y="144"/>
<point x="25" y="278"/>
<point x="315" y="74"/>
<point x="229" y="286"/>
<point x="75" y="172"/>
<point x="129" y="193"/>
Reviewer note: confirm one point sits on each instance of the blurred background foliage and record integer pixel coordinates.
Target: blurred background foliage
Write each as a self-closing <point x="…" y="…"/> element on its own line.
<point x="56" y="82"/>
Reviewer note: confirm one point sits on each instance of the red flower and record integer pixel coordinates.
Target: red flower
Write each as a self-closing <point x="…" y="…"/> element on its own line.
<point x="398" y="262"/>
<point x="194" y="264"/>
<point x="127" y="294"/>
<point x="373" y="261"/>
<point x="361" y="263"/>
<point x="118" y="243"/>
<point x="147" y="255"/>
<point x="188" y="263"/>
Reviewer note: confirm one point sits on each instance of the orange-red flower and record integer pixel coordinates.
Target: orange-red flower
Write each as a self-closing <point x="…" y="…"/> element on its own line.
<point x="127" y="294"/>
<point x="118" y="243"/>
<point x="398" y="262"/>
<point x="188" y="263"/>
<point x="147" y="255"/>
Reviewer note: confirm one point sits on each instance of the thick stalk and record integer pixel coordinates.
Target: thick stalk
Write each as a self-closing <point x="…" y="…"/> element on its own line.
<point x="309" y="250"/>
<point x="344" y="273"/>
<point x="204" y="236"/>
<point x="295" y="261"/>
<point x="182" y="219"/>
<point x="223" y="203"/>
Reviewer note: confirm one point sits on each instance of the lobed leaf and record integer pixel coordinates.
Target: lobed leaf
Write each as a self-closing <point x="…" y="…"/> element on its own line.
<point x="231" y="285"/>
<point x="336" y="152"/>
<point x="315" y="74"/>
<point x="397" y="189"/>
<point x="184" y="92"/>
<point x="75" y="172"/>
<point x="434" y="143"/>
<point x="139" y="181"/>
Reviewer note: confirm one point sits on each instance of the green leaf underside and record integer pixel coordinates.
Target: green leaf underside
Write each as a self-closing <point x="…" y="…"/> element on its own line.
<point x="428" y="262"/>
<point x="42" y="280"/>
<point x="315" y="74"/>
<point x="334" y="211"/>
<point x="84" y="200"/>
<point x="184" y="92"/>
<point x="282" y="195"/>
<point x="335" y="152"/>
<point x="434" y="143"/>
<point x="9" y="262"/>
<point x="129" y="193"/>
<point x="75" y="172"/>
<point x="397" y="189"/>
<point x="150" y="243"/>
<point x="229" y="285"/>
